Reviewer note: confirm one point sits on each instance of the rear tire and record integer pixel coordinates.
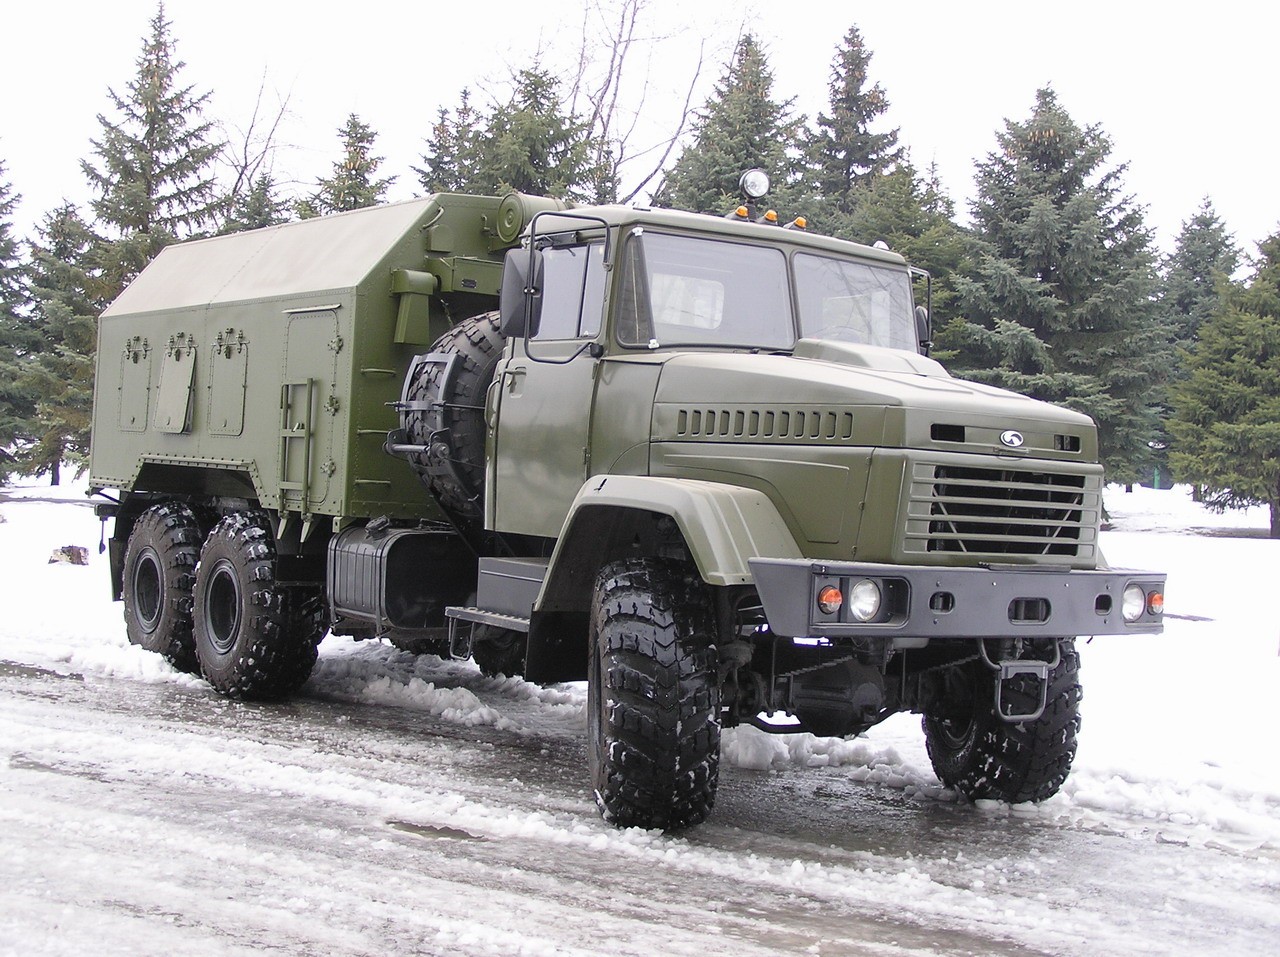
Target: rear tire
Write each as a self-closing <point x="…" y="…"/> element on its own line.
<point x="159" y="576"/>
<point x="982" y="756"/>
<point x="653" y="701"/>
<point x="254" y="638"/>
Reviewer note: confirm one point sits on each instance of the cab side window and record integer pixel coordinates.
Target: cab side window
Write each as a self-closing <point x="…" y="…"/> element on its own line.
<point x="572" y="292"/>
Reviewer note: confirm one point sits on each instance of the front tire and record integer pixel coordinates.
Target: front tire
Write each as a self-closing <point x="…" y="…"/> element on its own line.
<point x="159" y="576"/>
<point x="653" y="700"/>
<point x="254" y="638"/>
<point x="974" y="751"/>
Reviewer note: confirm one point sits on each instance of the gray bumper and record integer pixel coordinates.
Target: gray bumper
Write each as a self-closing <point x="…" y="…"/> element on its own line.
<point x="926" y="602"/>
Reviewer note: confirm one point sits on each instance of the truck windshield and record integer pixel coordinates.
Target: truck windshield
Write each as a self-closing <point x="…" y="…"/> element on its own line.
<point x="854" y="302"/>
<point x="684" y="290"/>
<point x="678" y="290"/>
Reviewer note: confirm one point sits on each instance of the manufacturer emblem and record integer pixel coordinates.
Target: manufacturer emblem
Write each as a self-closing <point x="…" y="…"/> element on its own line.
<point x="1012" y="439"/>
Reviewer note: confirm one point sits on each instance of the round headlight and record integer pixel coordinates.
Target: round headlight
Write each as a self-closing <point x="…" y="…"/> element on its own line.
<point x="754" y="183"/>
<point x="1134" y="604"/>
<point x="864" y="600"/>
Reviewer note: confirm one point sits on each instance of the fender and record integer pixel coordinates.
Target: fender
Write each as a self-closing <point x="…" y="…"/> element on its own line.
<point x="724" y="526"/>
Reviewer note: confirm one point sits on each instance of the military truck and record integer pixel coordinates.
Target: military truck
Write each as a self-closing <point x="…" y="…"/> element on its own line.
<point x="704" y="463"/>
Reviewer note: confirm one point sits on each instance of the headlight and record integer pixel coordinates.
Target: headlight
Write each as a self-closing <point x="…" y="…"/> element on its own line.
<point x="1135" y="602"/>
<point x="864" y="600"/>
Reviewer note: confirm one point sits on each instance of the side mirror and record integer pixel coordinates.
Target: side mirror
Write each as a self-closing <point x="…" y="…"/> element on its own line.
<point x="924" y="330"/>
<point x="520" y="301"/>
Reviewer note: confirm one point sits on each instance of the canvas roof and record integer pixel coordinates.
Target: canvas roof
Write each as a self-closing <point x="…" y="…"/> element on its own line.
<point x="315" y="255"/>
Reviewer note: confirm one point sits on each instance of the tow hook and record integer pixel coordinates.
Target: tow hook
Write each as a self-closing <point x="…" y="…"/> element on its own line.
<point x="1009" y="669"/>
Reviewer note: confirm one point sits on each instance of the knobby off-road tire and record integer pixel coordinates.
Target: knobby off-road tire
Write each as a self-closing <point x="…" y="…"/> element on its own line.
<point x="982" y="756"/>
<point x="159" y="576"/>
<point x="460" y="489"/>
<point x="653" y="701"/>
<point x="254" y="638"/>
<point x="499" y="651"/>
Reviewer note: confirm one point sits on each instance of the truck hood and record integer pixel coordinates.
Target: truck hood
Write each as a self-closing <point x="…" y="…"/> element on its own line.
<point x="828" y="392"/>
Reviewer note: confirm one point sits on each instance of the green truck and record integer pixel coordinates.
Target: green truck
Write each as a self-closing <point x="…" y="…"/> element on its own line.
<point x="703" y="463"/>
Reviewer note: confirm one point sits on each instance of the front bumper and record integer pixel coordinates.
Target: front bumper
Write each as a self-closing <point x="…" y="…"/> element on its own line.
<point x="927" y="602"/>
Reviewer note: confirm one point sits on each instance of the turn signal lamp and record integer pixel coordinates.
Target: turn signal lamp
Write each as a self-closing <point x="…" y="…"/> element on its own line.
<point x="829" y="600"/>
<point x="1155" y="603"/>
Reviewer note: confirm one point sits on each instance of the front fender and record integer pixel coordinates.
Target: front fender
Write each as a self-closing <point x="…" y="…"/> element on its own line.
<point x="724" y="526"/>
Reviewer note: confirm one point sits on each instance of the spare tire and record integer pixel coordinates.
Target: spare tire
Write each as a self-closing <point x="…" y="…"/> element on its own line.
<point x="443" y="413"/>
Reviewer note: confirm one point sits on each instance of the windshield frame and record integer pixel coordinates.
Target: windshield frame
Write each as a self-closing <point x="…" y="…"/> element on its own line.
<point x="632" y="260"/>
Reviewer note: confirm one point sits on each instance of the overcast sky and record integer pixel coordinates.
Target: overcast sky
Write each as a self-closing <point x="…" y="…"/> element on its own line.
<point x="1181" y="89"/>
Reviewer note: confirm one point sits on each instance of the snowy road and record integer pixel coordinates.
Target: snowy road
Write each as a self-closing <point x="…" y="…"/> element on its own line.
<point x="411" y="806"/>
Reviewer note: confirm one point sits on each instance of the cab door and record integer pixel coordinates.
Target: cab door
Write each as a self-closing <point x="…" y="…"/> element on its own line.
<point x="545" y="396"/>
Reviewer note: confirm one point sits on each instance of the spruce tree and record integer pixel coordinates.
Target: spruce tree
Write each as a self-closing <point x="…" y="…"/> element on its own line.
<point x="915" y="217"/>
<point x="17" y="338"/>
<point x="354" y="183"/>
<point x="1060" y="294"/>
<point x="152" y="166"/>
<point x="1203" y="256"/>
<point x="740" y="127"/>
<point x="1226" y="424"/>
<point x="844" y="151"/>
<point x="259" y="206"/>
<point x="533" y="144"/>
<point x="67" y="297"/>
<point x="450" y="163"/>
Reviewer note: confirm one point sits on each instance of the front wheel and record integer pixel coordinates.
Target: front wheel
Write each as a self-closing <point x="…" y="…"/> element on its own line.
<point x="653" y="699"/>
<point x="982" y="756"/>
<point x="254" y="638"/>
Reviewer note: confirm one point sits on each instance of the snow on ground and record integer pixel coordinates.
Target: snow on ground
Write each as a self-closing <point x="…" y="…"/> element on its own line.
<point x="1177" y="737"/>
<point x="1177" y="746"/>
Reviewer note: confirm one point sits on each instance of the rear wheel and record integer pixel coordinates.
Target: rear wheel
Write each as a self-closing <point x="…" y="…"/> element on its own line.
<point x="982" y="756"/>
<point x="254" y="638"/>
<point x="653" y="702"/>
<point x="159" y="575"/>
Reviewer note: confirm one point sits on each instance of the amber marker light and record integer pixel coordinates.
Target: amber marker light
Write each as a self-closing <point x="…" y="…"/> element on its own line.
<point x="771" y="216"/>
<point x="741" y="212"/>
<point x="801" y="222"/>
<point x="829" y="600"/>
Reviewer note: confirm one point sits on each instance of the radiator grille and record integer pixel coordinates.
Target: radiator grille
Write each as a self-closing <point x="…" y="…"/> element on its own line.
<point x="993" y="511"/>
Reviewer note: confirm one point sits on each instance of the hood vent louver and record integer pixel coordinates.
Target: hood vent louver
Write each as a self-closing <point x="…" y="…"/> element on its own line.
<point x="765" y="424"/>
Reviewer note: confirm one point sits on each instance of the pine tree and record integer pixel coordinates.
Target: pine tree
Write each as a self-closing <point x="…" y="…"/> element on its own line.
<point x="67" y="299"/>
<point x="354" y="183"/>
<point x="740" y="127"/>
<point x="1226" y="425"/>
<point x="914" y="217"/>
<point x="256" y="208"/>
<point x="153" y="170"/>
<point x="532" y="144"/>
<point x="844" y="151"/>
<point x="1203" y="256"/>
<point x="17" y="338"/>
<point x="451" y="161"/>
<point x="1060" y="293"/>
